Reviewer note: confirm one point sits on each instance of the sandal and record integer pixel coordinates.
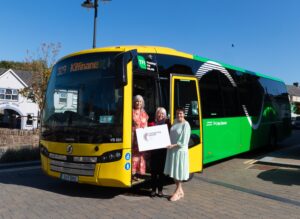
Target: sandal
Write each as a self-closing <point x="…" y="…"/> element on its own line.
<point x="135" y="178"/>
<point x="175" y="197"/>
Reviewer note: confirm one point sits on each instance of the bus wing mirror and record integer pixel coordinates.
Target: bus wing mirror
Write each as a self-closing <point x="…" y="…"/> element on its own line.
<point x="120" y="66"/>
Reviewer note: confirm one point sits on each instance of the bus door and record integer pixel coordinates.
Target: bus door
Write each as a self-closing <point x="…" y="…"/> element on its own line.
<point x="184" y="92"/>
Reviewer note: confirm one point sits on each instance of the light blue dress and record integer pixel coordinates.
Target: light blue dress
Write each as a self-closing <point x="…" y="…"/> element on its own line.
<point x="177" y="159"/>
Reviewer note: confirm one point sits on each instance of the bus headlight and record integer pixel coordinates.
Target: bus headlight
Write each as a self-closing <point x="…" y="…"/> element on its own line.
<point x="44" y="151"/>
<point x="110" y="156"/>
<point x="57" y="156"/>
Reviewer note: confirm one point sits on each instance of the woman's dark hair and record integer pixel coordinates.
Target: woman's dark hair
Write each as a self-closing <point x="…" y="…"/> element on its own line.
<point x="180" y="109"/>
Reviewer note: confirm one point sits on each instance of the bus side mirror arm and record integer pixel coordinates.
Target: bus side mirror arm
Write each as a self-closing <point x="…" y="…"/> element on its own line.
<point x="121" y="62"/>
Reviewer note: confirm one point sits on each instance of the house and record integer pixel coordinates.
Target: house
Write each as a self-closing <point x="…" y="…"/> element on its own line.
<point x="16" y="111"/>
<point x="294" y="96"/>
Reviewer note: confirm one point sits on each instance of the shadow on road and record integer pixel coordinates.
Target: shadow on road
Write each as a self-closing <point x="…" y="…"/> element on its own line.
<point x="286" y="177"/>
<point x="37" y="180"/>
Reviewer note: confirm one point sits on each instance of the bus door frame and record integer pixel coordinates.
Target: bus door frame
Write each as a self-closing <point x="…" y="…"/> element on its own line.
<point x="195" y="151"/>
<point x="124" y="71"/>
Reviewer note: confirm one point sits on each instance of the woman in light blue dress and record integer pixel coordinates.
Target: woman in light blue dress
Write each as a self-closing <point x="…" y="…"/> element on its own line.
<point x="177" y="159"/>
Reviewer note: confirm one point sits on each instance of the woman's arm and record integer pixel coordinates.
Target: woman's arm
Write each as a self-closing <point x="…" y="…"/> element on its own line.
<point x="184" y="137"/>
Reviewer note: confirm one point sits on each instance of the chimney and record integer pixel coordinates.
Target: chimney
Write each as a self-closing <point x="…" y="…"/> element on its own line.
<point x="296" y="84"/>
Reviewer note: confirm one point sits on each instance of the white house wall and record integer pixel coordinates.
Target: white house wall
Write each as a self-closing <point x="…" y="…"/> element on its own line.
<point x="295" y="99"/>
<point x="23" y="106"/>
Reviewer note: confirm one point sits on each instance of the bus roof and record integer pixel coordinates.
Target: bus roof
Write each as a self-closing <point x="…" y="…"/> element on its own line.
<point x="166" y="51"/>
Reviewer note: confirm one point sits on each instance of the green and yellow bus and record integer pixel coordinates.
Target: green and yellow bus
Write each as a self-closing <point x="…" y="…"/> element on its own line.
<point x="87" y="117"/>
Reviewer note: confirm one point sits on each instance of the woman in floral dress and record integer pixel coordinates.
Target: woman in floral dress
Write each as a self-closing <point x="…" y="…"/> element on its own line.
<point x="140" y="120"/>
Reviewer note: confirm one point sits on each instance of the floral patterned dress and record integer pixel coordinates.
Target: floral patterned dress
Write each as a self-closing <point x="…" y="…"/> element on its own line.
<point x="140" y="120"/>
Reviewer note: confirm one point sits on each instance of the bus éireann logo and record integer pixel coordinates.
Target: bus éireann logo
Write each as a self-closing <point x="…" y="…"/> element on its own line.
<point x="69" y="149"/>
<point x="142" y="62"/>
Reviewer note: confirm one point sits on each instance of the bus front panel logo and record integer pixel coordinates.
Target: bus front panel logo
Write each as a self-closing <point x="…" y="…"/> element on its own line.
<point x="69" y="149"/>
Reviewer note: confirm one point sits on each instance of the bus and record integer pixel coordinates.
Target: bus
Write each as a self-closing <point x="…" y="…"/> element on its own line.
<point x="86" y="128"/>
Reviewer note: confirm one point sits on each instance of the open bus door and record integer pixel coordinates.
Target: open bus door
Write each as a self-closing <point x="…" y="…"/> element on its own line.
<point x="185" y="93"/>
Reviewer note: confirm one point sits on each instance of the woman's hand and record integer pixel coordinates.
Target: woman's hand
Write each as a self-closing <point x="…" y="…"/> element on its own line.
<point x="171" y="146"/>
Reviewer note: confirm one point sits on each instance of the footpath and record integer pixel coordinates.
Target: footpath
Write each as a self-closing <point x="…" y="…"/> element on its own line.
<point x="289" y="157"/>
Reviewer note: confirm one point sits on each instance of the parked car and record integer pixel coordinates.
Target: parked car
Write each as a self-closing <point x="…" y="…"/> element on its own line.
<point x="296" y="122"/>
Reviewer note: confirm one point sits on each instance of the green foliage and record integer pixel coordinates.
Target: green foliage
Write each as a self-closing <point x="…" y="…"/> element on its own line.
<point x="12" y="65"/>
<point x="40" y="64"/>
<point x="297" y="108"/>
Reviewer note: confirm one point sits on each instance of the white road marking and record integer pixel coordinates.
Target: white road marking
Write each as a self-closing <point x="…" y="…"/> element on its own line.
<point x="252" y="161"/>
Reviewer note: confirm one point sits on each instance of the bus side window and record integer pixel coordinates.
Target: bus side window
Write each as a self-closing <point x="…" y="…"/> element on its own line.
<point x="210" y="92"/>
<point x="194" y="108"/>
<point x="185" y="95"/>
<point x="229" y="97"/>
<point x="146" y="87"/>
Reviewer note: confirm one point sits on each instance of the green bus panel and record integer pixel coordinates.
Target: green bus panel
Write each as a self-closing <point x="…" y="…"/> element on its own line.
<point x="225" y="137"/>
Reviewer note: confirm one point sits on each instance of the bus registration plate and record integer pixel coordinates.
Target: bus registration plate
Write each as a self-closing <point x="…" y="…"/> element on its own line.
<point x="69" y="178"/>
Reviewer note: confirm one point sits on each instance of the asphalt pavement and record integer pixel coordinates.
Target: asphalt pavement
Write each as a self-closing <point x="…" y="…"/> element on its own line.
<point x="261" y="184"/>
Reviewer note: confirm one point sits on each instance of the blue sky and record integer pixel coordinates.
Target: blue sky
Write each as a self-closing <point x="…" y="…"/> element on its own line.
<point x="265" y="33"/>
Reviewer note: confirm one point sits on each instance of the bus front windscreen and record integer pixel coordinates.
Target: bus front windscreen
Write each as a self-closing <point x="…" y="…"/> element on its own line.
<point x="83" y="104"/>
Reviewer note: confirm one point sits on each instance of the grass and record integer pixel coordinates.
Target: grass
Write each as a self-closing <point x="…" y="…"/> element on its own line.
<point x="20" y="154"/>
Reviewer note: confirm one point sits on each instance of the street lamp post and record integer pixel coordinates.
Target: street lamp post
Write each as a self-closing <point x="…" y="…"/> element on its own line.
<point x="90" y="4"/>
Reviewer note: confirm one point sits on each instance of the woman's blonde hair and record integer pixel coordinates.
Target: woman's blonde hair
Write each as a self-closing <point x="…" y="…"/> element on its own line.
<point x="137" y="98"/>
<point x="162" y="110"/>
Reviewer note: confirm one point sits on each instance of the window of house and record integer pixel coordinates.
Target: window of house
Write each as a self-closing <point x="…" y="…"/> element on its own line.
<point x="29" y="120"/>
<point x="8" y="94"/>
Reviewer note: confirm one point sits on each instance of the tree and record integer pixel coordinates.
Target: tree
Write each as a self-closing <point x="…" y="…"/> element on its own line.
<point x="40" y="65"/>
<point x="11" y="64"/>
<point x="297" y="106"/>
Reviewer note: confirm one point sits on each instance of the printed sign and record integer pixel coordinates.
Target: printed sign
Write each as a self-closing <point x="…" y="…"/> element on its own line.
<point x="153" y="137"/>
<point x="142" y="62"/>
<point x="147" y="63"/>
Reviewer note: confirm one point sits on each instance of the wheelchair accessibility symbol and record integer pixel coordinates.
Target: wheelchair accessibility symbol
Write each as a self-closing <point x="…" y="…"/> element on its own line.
<point x="127" y="156"/>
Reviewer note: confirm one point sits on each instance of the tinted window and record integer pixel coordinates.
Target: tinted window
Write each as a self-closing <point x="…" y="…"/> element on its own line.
<point x="82" y="102"/>
<point x="165" y="93"/>
<point x="146" y="87"/>
<point x="211" y="98"/>
<point x="251" y="93"/>
<point x="277" y="97"/>
<point x="171" y="64"/>
<point x="185" y="95"/>
<point x="229" y="96"/>
<point x="174" y="64"/>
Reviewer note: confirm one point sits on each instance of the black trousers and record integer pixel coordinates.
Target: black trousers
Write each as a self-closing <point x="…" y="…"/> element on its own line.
<point x="157" y="164"/>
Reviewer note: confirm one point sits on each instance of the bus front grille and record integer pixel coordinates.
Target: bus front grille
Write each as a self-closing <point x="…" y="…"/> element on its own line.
<point x="72" y="168"/>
